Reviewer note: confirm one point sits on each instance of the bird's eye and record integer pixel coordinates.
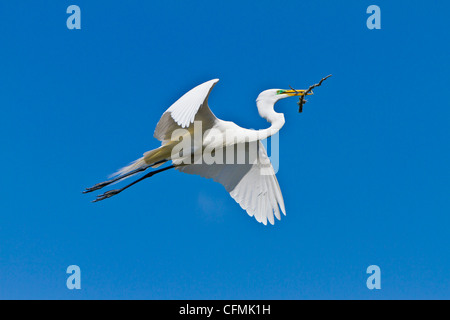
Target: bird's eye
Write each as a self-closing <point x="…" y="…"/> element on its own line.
<point x="280" y="91"/>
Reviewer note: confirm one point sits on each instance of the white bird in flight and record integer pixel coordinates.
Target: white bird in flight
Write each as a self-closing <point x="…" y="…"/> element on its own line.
<point x="252" y="184"/>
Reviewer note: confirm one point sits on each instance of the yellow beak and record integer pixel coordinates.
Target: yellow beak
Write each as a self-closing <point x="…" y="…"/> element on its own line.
<point x="294" y="93"/>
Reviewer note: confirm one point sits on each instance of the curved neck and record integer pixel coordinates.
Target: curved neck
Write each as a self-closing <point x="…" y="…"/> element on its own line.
<point x="241" y="135"/>
<point x="266" y="111"/>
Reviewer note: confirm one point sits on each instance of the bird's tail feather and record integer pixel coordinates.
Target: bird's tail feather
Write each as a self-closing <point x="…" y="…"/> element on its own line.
<point x="153" y="158"/>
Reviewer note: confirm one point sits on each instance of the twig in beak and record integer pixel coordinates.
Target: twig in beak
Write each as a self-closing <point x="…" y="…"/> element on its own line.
<point x="302" y="100"/>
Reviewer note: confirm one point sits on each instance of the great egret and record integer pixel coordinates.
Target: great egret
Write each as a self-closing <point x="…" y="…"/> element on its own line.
<point x="253" y="184"/>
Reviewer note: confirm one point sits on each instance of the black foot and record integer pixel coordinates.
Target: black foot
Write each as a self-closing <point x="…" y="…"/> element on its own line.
<point x="107" y="194"/>
<point x="97" y="186"/>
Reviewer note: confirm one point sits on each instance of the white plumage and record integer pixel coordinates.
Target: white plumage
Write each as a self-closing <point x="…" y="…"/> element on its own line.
<point x="183" y="111"/>
<point x="254" y="187"/>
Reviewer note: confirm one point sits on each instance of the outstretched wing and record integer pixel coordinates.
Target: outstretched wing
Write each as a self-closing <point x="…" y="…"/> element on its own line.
<point x="192" y="106"/>
<point x="253" y="186"/>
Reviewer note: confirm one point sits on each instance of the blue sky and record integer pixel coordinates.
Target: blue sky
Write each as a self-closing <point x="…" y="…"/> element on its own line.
<point x="364" y="170"/>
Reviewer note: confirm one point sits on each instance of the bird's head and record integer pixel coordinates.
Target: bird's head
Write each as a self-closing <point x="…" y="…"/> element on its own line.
<point x="273" y="95"/>
<point x="267" y="99"/>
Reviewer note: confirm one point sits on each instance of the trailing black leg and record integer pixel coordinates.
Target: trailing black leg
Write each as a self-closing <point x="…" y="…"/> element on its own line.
<point x="108" y="182"/>
<point x="109" y="194"/>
